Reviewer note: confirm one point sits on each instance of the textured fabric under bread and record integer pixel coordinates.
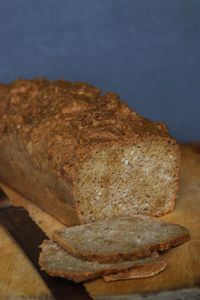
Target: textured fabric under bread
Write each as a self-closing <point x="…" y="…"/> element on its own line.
<point x="57" y="262"/>
<point x="60" y="131"/>
<point x="121" y="238"/>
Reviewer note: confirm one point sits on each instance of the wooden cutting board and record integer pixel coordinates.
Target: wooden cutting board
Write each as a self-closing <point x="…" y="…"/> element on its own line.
<point x="19" y="279"/>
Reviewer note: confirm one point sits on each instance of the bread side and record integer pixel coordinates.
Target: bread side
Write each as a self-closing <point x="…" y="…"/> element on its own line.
<point x="84" y="156"/>
<point x="121" y="238"/>
<point x="57" y="262"/>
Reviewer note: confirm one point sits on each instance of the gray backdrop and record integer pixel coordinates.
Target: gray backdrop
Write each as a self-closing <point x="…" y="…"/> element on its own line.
<point x="148" y="51"/>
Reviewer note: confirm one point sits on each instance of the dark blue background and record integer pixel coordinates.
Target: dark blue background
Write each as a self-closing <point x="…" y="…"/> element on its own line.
<point x="148" y="51"/>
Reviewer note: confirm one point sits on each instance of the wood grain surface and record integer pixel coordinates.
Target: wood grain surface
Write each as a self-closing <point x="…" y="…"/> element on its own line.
<point x="19" y="279"/>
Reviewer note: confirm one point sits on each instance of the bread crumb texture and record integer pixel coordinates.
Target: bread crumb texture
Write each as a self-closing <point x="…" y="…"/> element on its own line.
<point x="57" y="262"/>
<point x="121" y="238"/>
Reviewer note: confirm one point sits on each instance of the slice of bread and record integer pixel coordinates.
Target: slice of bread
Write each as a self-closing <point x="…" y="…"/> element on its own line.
<point x="120" y="238"/>
<point x="148" y="269"/>
<point x="57" y="262"/>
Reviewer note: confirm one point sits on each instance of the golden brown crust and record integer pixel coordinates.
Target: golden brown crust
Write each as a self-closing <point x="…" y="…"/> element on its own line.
<point x="162" y="126"/>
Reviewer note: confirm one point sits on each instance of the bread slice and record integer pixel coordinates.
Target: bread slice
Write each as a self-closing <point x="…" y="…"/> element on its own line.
<point x="120" y="238"/>
<point x="82" y="155"/>
<point x="148" y="269"/>
<point x="57" y="262"/>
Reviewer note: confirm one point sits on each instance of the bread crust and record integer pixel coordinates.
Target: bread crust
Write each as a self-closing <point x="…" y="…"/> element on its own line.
<point x="48" y="129"/>
<point x="138" y="272"/>
<point x="144" y="271"/>
<point x="149" y="266"/>
<point x="137" y="252"/>
<point x="114" y="257"/>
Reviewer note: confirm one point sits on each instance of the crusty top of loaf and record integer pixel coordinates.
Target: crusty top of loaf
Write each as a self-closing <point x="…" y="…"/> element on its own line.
<point x="58" y="120"/>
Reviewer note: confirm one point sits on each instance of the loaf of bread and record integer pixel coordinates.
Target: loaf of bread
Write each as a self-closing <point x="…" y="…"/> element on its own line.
<point x="82" y="155"/>
<point x="119" y="239"/>
<point x="57" y="262"/>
